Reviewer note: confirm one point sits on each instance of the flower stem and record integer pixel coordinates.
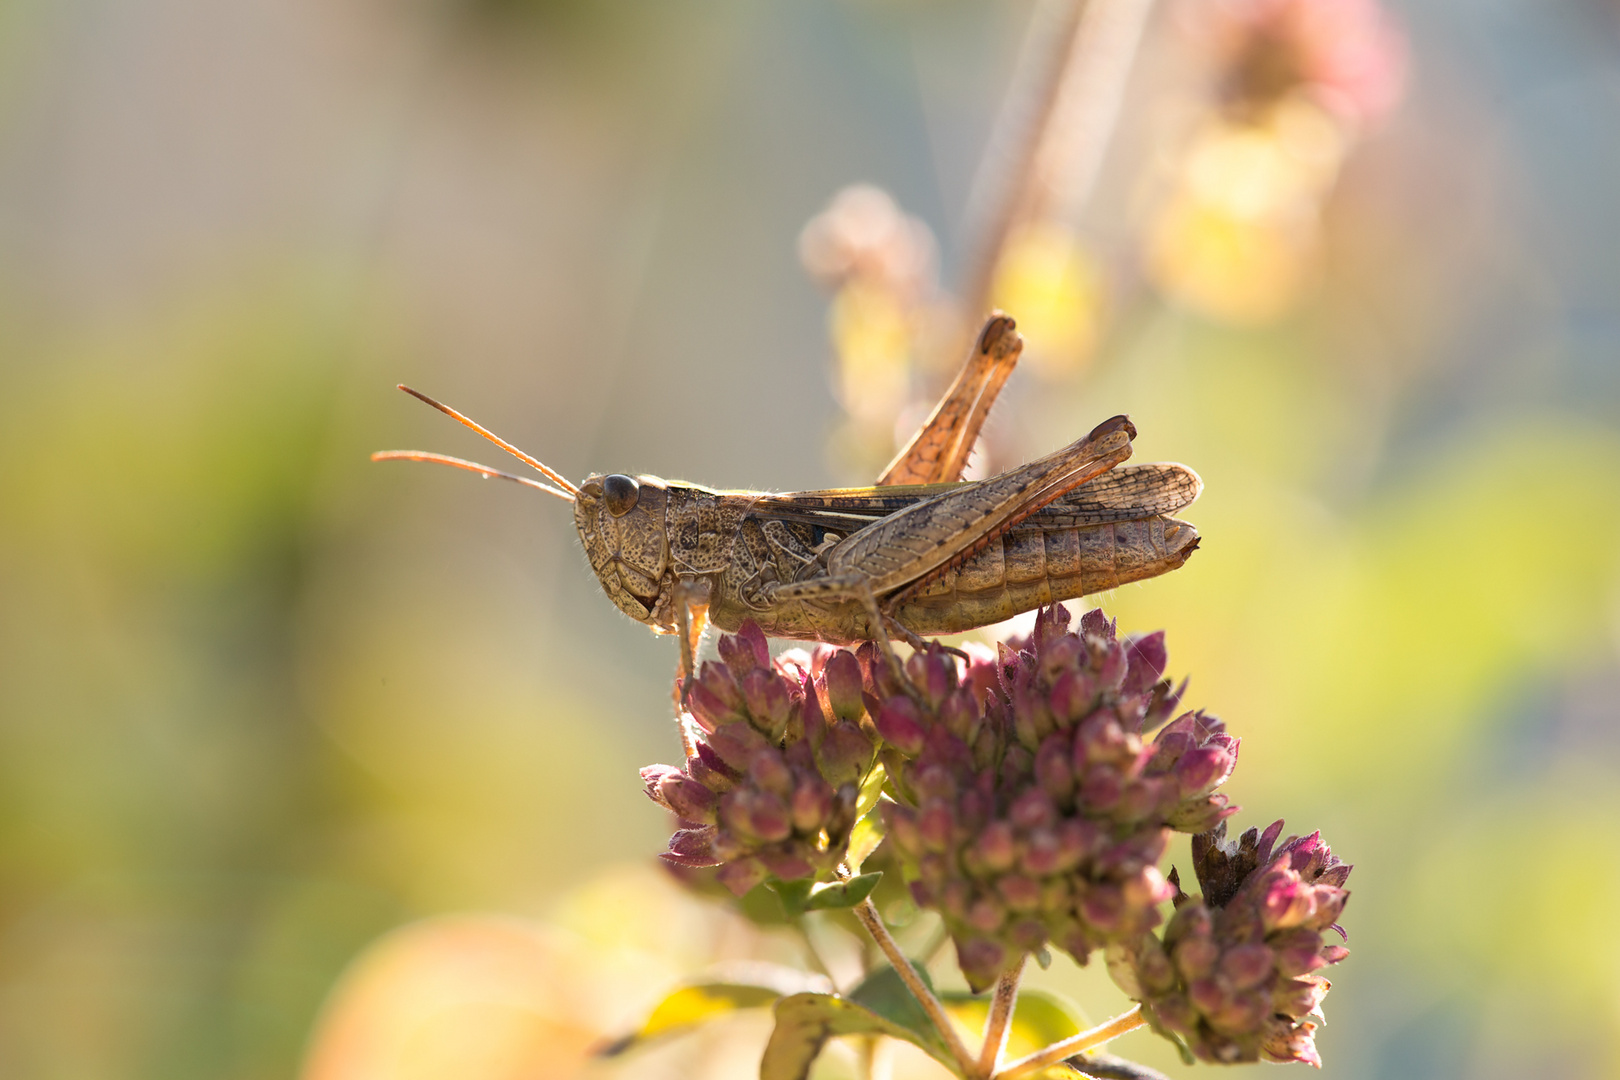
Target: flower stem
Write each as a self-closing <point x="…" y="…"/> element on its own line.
<point x="996" y="1027"/>
<point x="1113" y="1029"/>
<point x="867" y="912"/>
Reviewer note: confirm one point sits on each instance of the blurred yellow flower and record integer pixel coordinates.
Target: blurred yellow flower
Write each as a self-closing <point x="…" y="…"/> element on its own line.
<point x="466" y="995"/>
<point x="1050" y="281"/>
<point x="871" y="333"/>
<point x="1237" y="237"/>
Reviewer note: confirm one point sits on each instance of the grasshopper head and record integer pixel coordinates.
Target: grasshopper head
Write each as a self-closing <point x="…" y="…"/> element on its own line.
<point x="621" y="523"/>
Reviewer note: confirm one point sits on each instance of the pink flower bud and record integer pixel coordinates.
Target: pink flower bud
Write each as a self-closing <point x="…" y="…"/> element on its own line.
<point x="935" y="824"/>
<point x="1095" y="624"/>
<point x="812" y="803"/>
<point x="1145" y="661"/>
<point x="844" y="685"/>
<point x="986" y="915"/>
<point x="786" y="866"/>
<point x="742" y="876"/>
<point x="900" y="724"/>
<point x="1247" y="966"/>
<point x="710" y="712"/>
<point x="1052" y="768"/>
<point x="1020" y="893"/>
<point x="1033" y="810"/>
<point x="995" y="849"/>
<point x="736" y="744"/>
<point x="1298" y="998"/>
<point x="690" y="800"/>
<point x="768" y="771"/>
<point x="1196" y="957"/>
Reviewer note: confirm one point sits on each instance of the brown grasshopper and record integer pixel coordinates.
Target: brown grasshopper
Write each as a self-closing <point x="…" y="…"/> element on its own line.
<point x="920" y="553"/>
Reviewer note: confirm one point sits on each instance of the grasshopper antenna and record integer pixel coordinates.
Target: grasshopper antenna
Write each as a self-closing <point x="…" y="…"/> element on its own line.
<point x="569" y="491"/>
<point x="471" y="466"/>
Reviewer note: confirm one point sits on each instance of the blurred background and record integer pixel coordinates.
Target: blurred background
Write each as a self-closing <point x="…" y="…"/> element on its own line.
<point x="270" y="713"/>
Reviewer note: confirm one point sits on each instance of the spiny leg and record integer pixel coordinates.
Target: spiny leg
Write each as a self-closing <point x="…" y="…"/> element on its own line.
<point x="880" y="636"/>
<point x="938" y="452"/>
<point x="916" y="640"/>
<point x="691" y="616"/>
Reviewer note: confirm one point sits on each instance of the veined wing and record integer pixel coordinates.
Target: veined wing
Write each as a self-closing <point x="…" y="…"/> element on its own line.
<point x="1124" y="493"/>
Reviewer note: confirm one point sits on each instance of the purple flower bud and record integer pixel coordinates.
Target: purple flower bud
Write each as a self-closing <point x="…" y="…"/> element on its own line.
<point x="1247" y="966"/>
<point x="739" y="877"/>
<point x="1040" y="853"/>
<point x="1298" y="998"/>
<point x="710" y="712"/>
<point x="690" y="800"/>
<point x="812" y="803"/>
<point x="1146" y="658"/>
<point x="1073" y="696"/>
<point x="692" y="847"/>
<point x="986" y="915"/>
<point x="1196" y="957"/>
<point x="736" y="745"/>
<point x="652" y="775"/>
<point x="1111" y="667"/>
<point x="959" y="716"/>
<point x="845" y="754"/>
<point x="995" y="849"/>
<point x="786" y="866"/>
<point x="1033" y="810"/>
<point x="844" y="685"/>
<point x="745" y="650"/>
<point x="769" y="702"/>
<point x="1095" y="624"/>
<point x="706" y="768"/>
<point x="757" y="815"/>
<point x="1020" y="893"/>
<point x="935" y="824"/>
<point x="900" y="724"/>
<point x="768" y="771"/>
<point x="718" y="680"/>
<point x="1052" y="768"/>
<point x="1201" y="771"/>
<point x="934" y="674"/>
<point x="981" y="961"/>
<point x="1290" y="1042"/>
<point x="1060" y="655"/>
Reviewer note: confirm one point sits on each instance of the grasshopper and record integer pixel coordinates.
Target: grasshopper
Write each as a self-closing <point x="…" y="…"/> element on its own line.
<point x="921" y="553"/>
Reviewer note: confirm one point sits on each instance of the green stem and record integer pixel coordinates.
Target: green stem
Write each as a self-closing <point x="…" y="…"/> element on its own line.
<point x="867" y="913"/>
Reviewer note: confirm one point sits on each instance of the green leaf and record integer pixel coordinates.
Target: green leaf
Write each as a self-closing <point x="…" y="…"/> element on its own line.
<point x="865" y="837"/>
<point x="690" y="1006"/>
<point x="804" y="1023"/>
<point x="793" y="894"/>
<point x="886" y="994"/>
<point x="842" y="894"/>
<point x="1040" y="1018"/>
<point x="871" y="790"/>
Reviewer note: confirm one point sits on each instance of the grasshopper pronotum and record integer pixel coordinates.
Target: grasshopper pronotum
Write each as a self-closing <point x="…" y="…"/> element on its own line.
<point x="918" y="553"/>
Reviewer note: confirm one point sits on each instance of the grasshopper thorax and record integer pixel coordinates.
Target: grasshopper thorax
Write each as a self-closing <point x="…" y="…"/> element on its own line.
<point x="621" y="523"/>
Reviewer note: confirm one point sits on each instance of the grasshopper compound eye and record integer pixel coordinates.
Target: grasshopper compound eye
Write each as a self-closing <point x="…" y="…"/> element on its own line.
<point x="620" y="492"/>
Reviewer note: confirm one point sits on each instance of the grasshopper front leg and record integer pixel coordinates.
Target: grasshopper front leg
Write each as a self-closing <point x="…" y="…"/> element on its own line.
<point x="939" y="451"/>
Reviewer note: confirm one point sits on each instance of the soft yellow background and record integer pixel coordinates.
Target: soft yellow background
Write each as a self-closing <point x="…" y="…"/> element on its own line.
<point x="262" y="702"/>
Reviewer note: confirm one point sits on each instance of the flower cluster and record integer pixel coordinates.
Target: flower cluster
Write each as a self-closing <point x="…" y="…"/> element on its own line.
<point x="1233" y="977"/>
<point x="1032" y="808"/>
<point x="1348" y="55"/>
<point x="1029" y="797"/>
<point x="770" y="784"/>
